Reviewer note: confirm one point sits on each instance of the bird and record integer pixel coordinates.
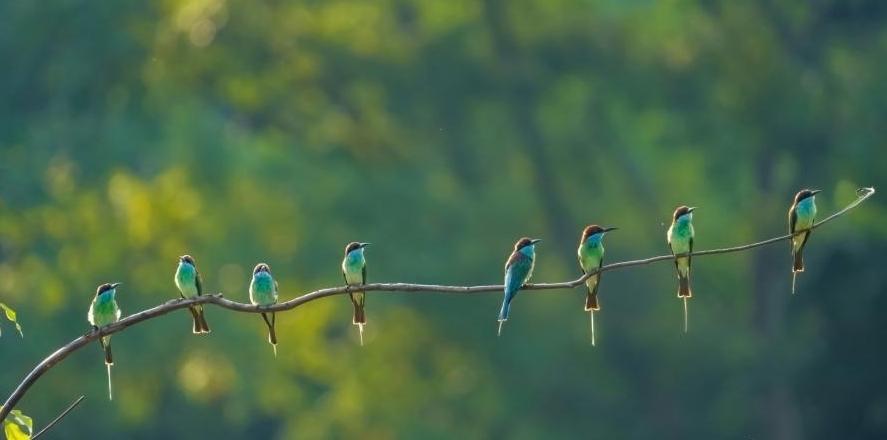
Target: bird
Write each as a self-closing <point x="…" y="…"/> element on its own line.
<point x="680" y="241"/>
<point x="518" y="270"/>
<point x="801" y="216"/>
<point x="187" y="279"/>
<point x="354" y="270"/>
<point x="591" y="257"/>
<point x="263" y="292"/>
<point x="104" y="311"/>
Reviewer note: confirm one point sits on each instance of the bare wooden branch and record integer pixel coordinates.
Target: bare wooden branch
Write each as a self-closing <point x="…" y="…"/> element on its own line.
<point x="218" y="300"/>
<point x="59" y="417"/>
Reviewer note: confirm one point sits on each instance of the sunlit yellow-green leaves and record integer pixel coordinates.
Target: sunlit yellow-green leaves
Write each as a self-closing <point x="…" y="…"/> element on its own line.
<point x="18" y="426"/>
<point x="11" y="316"/>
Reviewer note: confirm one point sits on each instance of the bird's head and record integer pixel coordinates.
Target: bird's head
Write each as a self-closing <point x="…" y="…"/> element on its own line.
<point x="354" y="245"/>
<point x="682" y="211"/>
<point x="105" y="287"/>
<point x="261" y="267"/>
<point x="524" y="242"/>
<point x="805" y="193"/>
<point x="187" y="259"/>
<point x="594" y="229"/>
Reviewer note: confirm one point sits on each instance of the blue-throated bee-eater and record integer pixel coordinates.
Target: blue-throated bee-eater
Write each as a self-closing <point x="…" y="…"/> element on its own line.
<point x="190" y="285"/>
<point x="104" y="311"/>
<point x="263" y="292"/>
<point x="518" y="270"/>
<point x="680" y="241"/>
<point x="801" y="216"/>
<point x="591" y="257"/>
<point x="354" y="269"/>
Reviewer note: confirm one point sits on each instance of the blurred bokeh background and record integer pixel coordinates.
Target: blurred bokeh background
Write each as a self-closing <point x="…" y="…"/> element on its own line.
<point x="243" y="131"/>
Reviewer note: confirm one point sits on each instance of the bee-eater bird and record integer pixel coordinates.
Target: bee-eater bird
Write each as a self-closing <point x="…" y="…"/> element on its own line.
<point x="680" y="240"/>
<point x="518" y="270"/>
<point x="188" y="281"/>
<point x="104" y="311"/>
<point x="263" y="292"/>
<point x="801" y="216"/>
<point x="354" y="269"/>
<point x="591" y="257"/>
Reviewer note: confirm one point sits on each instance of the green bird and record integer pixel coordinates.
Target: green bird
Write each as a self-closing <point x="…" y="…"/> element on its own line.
<point x="190" y="285"/>
<point x="354" y="269"/>
<point x="104" y="311"/>
<point x="591" y="257"/>
<point x="801" y="216"/>
<point x="263" y="292"/>
<point x="680" y="241"/>
<point x="518" y="270"/>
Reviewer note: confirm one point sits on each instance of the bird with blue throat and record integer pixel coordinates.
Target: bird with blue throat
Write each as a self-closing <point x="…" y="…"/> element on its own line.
<point x="518" y="270"/>
<point x="801" y="216"/>
<point x="187" y="280"/>
<point x="102" y="312"/>
<point x="263" y="292"/>
<point x="591" y="258"/>
<point x="354" y="270"/>
<point x="680" y="241"/>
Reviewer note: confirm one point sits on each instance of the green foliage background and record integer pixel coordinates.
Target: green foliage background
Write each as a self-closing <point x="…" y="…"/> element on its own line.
<point x="243" y="131"/>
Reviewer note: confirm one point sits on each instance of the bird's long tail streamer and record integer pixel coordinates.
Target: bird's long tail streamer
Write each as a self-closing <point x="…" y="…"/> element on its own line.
<point x="591" y="314"/>
<point x="685" y="314"/>
<point x="274" y="347"/>
<point x="794" y="278"/>
<point x="110" y="394"/>
<point x="501" y="321"/>
<point x="360" y="330"/>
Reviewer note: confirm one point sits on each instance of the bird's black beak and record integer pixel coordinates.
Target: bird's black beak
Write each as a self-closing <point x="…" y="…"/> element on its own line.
<point x="535" y="240"/>
<point x="691" y="209"/>
<point x="114" y="285"/>
<point x="610" y="229"/>
<point x="814" y="192"/>
<point x="363" y="245"/>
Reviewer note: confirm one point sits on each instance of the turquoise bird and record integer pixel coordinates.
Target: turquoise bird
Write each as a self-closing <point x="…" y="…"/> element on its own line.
<point x="190" y="285"/>
<point x="263" y="292"/>
<point x="591" y="257"/>
<point x="354" y="269"/>
<point x="518" y="270"/>
<point x="104" y="311"/>
<point x="680" y="240"/>
<point x="801" y="216"/>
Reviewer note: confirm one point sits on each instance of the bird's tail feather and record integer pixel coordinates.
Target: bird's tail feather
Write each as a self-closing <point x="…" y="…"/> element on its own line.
<point x="201" y="317"/>
<point x="272" y="336"/>
<point x="359" y="313"/>
<point x="799" y="261"/>
<point x="106" y="345"/>
<point x="591" y="302"/>
<point x="196" y="328"/>
<point x="504" y="311"/>
<point x="684" y="286"/>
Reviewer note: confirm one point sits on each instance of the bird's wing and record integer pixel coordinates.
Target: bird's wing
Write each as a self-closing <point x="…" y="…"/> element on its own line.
<point x="198" y="282"/>
<point x="517" y="269"/>
<point x="512" y="259"/>
<point x="689" y="258"/>
<point x="364" y="274"/>
<point x="792" y="219"/>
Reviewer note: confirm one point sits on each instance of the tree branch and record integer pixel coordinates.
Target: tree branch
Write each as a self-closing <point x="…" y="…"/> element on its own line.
<point x="60" y="417"/>
<point x="218" y="300"/>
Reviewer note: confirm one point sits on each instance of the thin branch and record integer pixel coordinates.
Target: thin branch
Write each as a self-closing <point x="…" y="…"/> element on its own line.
<point x="60" y="417"/>
<point x="219" y="300"/>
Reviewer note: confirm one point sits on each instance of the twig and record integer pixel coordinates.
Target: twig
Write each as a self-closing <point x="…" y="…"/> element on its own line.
<point x="60" y="416"/>
<point x="218" y="300"/>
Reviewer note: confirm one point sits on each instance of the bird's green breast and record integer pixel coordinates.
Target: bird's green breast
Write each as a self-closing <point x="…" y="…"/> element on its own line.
<point x="186" y="280"/>
<point x="104" y="309"/>
<point x="262" y="289"/>
<point x="590" y="256"/>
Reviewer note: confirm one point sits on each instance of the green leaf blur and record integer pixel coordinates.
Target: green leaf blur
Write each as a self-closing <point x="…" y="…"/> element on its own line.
<point x="242" y="131"/>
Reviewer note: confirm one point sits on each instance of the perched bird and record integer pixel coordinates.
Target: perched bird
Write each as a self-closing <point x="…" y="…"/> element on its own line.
<point x="354" y="269"/>
<point x="263" y="292"/>
<point x="518" y="270"/>
<point x="680" y="240"/>
<point x="104" y="311"/>
<point x="591" y="257"/>
<point x="801" y="216"/>
<point x="188" y="281"/>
